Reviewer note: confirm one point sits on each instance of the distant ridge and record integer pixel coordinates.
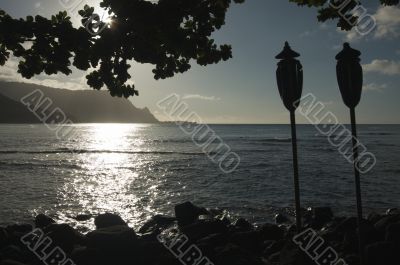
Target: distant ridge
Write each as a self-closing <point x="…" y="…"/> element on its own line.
<point x="80" y="106"/>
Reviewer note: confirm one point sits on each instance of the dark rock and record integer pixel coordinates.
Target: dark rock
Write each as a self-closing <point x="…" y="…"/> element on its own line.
<point x="204" y="228"/>
<point x="250" y="241"/>
<point x="348" y="224"/>
<point x="10" y="262"/>
<point x="243" y="224"/>
<point x="271" y="232"/>
<point x="320" y="216"/>
<point x="275" y="258"/>
<point x="187" y="213"/>
<point x="12" y="252"/>
<point x="293" y="255"/>
<point x="83" y="217"/>
<point x="41" y="221"/>
<point x="63" y="236"/>
<point x="384" y="222"/>
<point x="393" y="211"/>
<point x="273" y="247"/>
<point x="393" y="233"/>
<point x="212" y="241"/>
<point x="156" y="224"/>
<point x="369" y="233"/>
<point x="119" y="237"/>
<point x="382" y="253"/>
<point x="19" y="228"/>
<point x="374" y="217"/>
<point x="234" y="255"/>
<point x="205" y="216"/>
<point x="108" y="220"/>
<point x="281" y="219"/>
<point x="4" y="237"/>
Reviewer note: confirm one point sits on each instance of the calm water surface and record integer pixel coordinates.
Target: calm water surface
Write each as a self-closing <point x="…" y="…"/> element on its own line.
<point x="140" y="170"/>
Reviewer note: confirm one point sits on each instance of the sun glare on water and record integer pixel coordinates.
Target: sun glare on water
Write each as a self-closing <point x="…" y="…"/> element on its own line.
<point x="110" y="168"/>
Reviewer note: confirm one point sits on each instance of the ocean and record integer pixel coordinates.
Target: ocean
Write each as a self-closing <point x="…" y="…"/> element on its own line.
<point x="139" y="170"/>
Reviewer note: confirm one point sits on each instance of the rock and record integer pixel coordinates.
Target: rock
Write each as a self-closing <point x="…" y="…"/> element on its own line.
<point x="293" y="255"/>
<point x="4" y="237"/>
<point x="187" y="213"/>
<point x="12" y="252"/>
<point x="281" y="219"/>
<point x="384" y="222"/>
<point x="274" y="258"/>
<point x="10" y="262"/>
<point x="156" y="224"/>
<point x="212" y="241"/>
<point x="250" y="241"/>
<point x="234" y="255"/>
<point x="382" y="253"/>
<point x="393" y="233"/>
<point x="203" y="228"/>
<point x="19" y="228"/>
<point x="271" y="232"/>
<point x="348" y="224"/>
<point x="243" y="224"/>
<point x="83" y="217"/>
<point x="374" y="217"/>
<point x="113" y="238"/>
<point x="393" y="211"/>
<point x="320" y="216"/>
<point x="273" y="247"/>
<point x="63" y="236"/>
<point x="369" y="233"/>
<point x="107" y="220"/>
<point x="41" y="221"/>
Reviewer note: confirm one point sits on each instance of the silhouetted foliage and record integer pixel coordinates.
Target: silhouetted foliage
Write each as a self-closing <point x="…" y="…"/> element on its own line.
<point x="326" y="11"/>
<point x="167" y="34"/>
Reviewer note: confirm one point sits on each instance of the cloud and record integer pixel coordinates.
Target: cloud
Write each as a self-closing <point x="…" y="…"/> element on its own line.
<point x="374" y="87"/>
<point x="385" y="67"/>
<point x="38" y="5"/>
<point x="388" y="22"/>
<point x="196" y="96"/>
<point x="8" y="72"/>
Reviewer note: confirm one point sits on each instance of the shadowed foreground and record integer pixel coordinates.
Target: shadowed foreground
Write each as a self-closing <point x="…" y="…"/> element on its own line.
<point x="200" y="236"/>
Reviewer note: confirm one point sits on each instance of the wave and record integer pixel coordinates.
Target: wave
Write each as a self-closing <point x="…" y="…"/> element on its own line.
<point x="86" y="151"/>
<point x="377" y="133"/>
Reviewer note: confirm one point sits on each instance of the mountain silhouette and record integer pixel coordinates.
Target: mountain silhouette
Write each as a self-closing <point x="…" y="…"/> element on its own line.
<point x="80" y="106"/>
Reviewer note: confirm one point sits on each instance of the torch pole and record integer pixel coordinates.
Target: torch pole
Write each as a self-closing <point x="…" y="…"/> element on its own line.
<point x="295" y="171"/>
<point x="357" y="182"/>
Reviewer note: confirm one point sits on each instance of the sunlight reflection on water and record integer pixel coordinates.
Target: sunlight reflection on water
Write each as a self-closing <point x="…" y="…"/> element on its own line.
<point x="106" y="187"/>
<point x="140" y="170"/>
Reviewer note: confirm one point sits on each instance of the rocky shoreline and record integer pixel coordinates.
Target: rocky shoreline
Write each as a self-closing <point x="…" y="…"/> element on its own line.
<point x="200" y="236"/>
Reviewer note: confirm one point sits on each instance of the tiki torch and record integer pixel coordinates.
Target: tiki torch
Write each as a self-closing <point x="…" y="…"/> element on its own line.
<point x="350" y="79"/>
<point x="289" y="77"/>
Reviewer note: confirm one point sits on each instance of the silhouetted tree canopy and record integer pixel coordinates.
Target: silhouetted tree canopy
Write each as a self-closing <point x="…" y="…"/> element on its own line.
<point x="326" y="11"/>
<point x="167" y="34"/>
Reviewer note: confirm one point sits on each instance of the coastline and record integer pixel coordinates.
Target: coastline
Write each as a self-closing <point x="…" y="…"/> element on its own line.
<point x="196" y="235"/>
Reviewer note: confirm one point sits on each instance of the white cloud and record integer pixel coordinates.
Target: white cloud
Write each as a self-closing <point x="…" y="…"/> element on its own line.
<point x="387" y="19"/>
<point x="374" y="87"/>
<point x="306" y="33"/>
<point x="195" y="96"/>
<point x="8" y="72"/>
<point x="388" y="22"/>
<point x="38" y="5"/>
<point x="385" y="67"/>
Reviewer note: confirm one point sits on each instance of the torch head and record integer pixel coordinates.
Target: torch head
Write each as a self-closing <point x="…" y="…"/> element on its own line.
<point x="349" y="75"/>
<point x="289" y="75"/>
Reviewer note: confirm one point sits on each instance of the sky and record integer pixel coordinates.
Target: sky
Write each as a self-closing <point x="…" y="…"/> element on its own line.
<point x="243" y="89"/>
